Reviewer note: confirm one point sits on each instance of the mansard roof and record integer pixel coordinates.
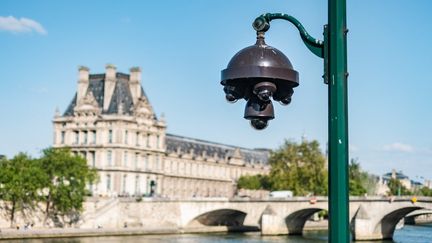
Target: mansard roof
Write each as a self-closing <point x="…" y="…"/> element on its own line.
<point x="121" y="98"/>
<point x="399" y="175"/>
<point x="198" y="147"/>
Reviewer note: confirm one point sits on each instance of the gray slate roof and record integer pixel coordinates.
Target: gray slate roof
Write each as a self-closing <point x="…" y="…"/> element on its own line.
<point x="399" y="176"/>
<point x="185" y="144"/>
<point x="121" y="95"/>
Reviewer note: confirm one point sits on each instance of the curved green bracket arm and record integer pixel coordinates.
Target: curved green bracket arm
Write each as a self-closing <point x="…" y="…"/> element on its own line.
<point x="262" y="24"/>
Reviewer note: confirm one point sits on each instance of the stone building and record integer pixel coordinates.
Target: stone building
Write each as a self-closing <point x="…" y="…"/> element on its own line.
<point x="111" y="123"/>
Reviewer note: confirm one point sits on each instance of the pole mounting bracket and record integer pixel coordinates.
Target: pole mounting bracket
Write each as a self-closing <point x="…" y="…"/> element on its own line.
<point x="262" y="24"/>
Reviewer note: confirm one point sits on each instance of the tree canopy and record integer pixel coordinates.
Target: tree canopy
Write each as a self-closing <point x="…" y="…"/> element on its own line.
<point x="300" y="168"/>
<point x="58" y="179"/>
<point x="396" y="188"/>
<point x="20" y="182"/>
<point x="66" y="178"/>
<point x="360" y="182"/>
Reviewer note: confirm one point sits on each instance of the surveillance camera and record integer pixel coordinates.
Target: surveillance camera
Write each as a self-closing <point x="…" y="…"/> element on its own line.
<point x="258" y="74"/>
<point x="284" y="97"/>
<point x="259" y="123"/>
<point x="232" y="94"/>
<point x="264" y="90"/>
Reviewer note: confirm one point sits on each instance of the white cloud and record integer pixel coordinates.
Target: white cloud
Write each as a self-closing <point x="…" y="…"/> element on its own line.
<point x="398" y="147"/>
<point x="21" y="25"/>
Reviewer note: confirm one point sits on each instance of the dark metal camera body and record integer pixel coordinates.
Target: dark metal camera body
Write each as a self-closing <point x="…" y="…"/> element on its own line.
<point x="258" y="73"/>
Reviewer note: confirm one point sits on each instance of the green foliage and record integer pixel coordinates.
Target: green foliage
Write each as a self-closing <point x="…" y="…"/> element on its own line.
<point x="425" y="191"/>
<point x="299" y="168"/>
<point x="356" y="179"/>
<point x="20" y="183"/>
<point x="58" y="178"/>
<point x="396" y="188"/>
<point x="66" y="178"/>
<point x="360" y="182"/>
<point x="253" y="182"/>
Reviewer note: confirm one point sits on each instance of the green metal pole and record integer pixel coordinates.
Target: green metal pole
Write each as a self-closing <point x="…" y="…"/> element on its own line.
<point x="338" y="123"/>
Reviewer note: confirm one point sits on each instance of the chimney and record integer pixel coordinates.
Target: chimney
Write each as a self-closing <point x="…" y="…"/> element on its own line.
<point x="109" y="85"/>
<point x="83" y="82"/>
<point x="135" y="83"/>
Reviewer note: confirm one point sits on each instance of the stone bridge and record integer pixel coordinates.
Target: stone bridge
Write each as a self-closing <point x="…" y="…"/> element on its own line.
<point x="371" y="218"/>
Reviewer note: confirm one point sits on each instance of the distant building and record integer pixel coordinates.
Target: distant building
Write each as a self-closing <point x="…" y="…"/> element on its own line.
<point x="428" y="184"/>
<point x="404" y="179"/>
<point x="111" y="123"/>
<point x="2" y="156"/>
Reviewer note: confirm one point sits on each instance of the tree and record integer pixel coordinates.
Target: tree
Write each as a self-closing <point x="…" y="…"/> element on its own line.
<point x="253" y="182"/>
<point x="425" y="191"/>
<point x="299" y="168"/>
<point x="360" y="182"/>
<point x="355" y="179"/>
<point x="396" y="188"/>
<point x="66" y="178"/>
<point x="20" y="182"/>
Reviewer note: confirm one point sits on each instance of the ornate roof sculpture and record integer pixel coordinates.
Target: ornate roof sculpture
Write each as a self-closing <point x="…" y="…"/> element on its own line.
<point x="121" y="99"/>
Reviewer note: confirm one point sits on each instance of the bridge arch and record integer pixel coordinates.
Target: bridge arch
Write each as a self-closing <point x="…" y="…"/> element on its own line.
<point x="296" y="220"/>
<point x="415" y="216"/>
<point x="220" y="217"/>
<point x="387" y="225"/>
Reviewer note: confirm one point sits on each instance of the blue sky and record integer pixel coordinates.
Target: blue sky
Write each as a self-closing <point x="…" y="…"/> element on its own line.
<point x="181" y="47"/>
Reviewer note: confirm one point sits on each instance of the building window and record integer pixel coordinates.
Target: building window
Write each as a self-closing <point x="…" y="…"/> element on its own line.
<point x="124" y="184"/>
<point x="145" y="162"/>
<point x="136" y="160"/>
<point x="85" y="137"/>
<point x="83" y="154"/>
<point x="93" y="158"/>
<point x="137" y="185"/>
<point x="108" y="182"/>
<point x="157" y="141"/>
<point x="148" y="141"/>
<point x="76" y="133"/>
<point x="125" y="159"/>
<point x="126" y="137"/>
<point x="137" y="139"/>
<point x="62" y="139"/>
<point x="93" y="137"/>
<point x="159" y="162"/>
<point x="156" y="163"/>
<point x="109" y="158"/>
<point x="110" y="136"/>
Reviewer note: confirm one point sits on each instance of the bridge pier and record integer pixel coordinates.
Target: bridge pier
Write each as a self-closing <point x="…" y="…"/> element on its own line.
<point x="291" y="224"/>
<point x="272" y="224"/>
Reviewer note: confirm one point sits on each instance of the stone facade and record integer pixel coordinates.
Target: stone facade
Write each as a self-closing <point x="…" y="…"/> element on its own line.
<point x="111" y="123"/>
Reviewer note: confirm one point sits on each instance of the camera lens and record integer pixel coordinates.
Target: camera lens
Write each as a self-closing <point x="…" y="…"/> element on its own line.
<point x="230" y="98"/>
<point x="259" y="124"/>
<point x="285" y="101"/>
<point x="264" y="94"/>
<point x="232" y="93"/>
<point x="264" y="90"/>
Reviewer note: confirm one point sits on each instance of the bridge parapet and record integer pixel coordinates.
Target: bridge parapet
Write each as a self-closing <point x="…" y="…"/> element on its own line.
<point x="370" y="217"/>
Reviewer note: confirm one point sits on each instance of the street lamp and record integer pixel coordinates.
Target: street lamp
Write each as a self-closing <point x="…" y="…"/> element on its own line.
<point x="260" y="72"/>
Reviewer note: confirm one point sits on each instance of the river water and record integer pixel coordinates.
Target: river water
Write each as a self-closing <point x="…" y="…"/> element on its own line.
<point x="408" y="234"/>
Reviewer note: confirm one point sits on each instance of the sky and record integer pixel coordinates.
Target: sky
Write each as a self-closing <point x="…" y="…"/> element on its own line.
<point x="182" y="46"/>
